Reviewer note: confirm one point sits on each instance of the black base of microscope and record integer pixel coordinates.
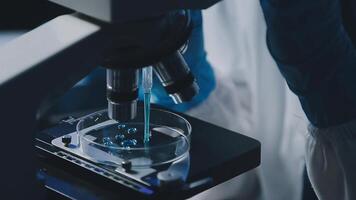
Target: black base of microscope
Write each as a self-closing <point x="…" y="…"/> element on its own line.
<point x="216" y="156"/>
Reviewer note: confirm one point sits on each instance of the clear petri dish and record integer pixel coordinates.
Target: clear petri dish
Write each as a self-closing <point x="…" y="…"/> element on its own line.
<point x="112" y="143"/>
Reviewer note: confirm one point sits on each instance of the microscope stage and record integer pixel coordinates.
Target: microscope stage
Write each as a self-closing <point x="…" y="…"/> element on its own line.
<point x="216" y="155"/>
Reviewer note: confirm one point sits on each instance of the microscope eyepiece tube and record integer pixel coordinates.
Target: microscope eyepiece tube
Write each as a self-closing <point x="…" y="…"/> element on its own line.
<point x="122" y="93"/>
<point x="176" y="78"/>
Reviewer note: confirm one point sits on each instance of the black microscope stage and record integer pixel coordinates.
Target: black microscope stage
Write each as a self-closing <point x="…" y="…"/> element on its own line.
<point x="216" y="155"/>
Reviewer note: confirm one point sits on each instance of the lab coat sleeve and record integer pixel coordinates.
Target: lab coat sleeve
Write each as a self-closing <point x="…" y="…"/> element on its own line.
<point x="330" y="161"/>
<point x="315" y="55"/>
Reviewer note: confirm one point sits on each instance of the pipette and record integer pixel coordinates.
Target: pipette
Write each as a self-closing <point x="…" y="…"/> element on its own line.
<point x="147" y="83"/>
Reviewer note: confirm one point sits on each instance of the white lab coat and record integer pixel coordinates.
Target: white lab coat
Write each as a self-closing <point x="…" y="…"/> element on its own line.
<point x="252" y="98"/>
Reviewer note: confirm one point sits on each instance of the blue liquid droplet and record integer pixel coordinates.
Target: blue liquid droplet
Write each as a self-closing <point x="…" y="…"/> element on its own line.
<point x="132" y="130"/>
<point x="120" y="137"/>
<point x="129" y="143"/>
<point x="107" y="141"/>
<point x="121" y="126"/>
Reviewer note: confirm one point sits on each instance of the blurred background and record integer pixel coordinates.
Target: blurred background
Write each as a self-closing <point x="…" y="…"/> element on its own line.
<point x="19" y="17"/>
<point x="25" y="15"/>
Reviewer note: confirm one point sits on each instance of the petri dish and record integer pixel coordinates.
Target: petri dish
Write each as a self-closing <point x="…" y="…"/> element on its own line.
<point x="113" y="143"/>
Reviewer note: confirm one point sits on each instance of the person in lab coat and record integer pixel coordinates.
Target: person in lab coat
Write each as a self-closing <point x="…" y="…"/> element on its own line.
<point x="251" y="97"/>
<point x="314" y="44"/>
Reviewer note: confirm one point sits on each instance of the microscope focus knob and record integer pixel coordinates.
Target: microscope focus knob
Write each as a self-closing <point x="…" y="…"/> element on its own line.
<point x="170" y="180"/>
<point x="66" y="140"/>
<point x="126" y="165"/>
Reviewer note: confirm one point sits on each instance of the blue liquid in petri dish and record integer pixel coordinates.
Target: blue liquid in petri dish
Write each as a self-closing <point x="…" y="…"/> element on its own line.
<point x="119" y="137"/>
<point x="107" y="141"/>
<point x="132" y="130"/>
<point x="121" y="126"/>
<point x="129" y="143"/>
<point x="110" y="136"/>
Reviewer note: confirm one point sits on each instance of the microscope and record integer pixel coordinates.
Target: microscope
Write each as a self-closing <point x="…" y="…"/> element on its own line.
<point x="123" y="37"/>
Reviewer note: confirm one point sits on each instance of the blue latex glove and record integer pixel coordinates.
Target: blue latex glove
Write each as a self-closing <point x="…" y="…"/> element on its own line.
<point x="316" y="55"/>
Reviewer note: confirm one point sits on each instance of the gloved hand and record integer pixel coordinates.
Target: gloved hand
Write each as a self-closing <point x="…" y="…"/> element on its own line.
<point x="313" y="43"/>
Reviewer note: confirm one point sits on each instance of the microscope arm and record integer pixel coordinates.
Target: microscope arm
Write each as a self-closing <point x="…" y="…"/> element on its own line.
<point x="40" y="63"/>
